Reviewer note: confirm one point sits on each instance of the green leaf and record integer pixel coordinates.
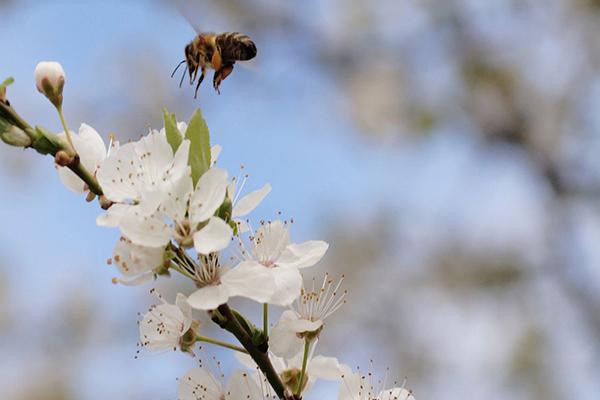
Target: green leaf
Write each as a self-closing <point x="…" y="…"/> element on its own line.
<point x="173" y="135"/>
<point x="197" y="133"/>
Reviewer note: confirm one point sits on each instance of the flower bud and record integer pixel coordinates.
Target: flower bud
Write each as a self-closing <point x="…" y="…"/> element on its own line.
<point x="63" y="159"/>
<point x="50" y="80"/>
<point x="14" y="136"/>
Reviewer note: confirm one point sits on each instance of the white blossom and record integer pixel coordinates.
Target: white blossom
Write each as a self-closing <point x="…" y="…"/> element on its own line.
<point x="306" y="316"/>
<point x="137" y="263"/>
<point x="356" y="386"/>
<point x="271" y="248"/>
<point x="164" y="325"/>
<point x="186" y="215"/>
<point x="135" y="175"/>
<point x="91" y="150"/>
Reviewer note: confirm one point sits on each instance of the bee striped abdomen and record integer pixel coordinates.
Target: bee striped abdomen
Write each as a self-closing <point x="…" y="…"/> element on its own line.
<point x="235" y="46"/>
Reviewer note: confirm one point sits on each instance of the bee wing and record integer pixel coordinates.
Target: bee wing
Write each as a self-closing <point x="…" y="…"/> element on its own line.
<point x="195" y="11"/>
<point x="185" y="10"/>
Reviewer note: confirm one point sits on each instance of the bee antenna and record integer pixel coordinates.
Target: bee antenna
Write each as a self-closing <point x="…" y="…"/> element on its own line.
<point x="176" y="68"/>
<point x="182" y="77"/>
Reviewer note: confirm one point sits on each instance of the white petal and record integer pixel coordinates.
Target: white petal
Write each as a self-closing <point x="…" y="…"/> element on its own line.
<point x="145" y="231"/>
<point x="113" y="215"/>
<point x="283" y="341"/>
<point x="209" y="297"/>
<point x="133" y="260"/>
<point x="354" y="387"/>
<point x="251" y="280"/>
<point x="180" y="161"/>
<point x="242" y="387"/>
<point x="215" y="151"/>
<point x="396" y="394"/>
<point x="215" y="236"/>
<point x="186" y="309"/>
<point x="155" y="156"/>
<point x="288" y="283"/>
<point x="90" y="147"/>
<point x="199" y="383"/>
<point x="327" y="368"/>
<point x="304" y="325"/>
<point x="303" y="255"/>
<point x="70" y="180"/>
<point x="209" y="194"/>
<point x="177" y="193"/>
<point x="119" y="174"/>
<point x="249" y="202"/>
<point x="91" y="150"/>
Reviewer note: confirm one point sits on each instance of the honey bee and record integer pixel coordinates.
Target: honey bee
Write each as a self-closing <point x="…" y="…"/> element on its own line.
<point x="218" y="51"/>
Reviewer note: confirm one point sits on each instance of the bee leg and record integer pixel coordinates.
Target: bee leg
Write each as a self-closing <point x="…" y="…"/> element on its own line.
<point x="221" y="74"/>
<point x="199" y="82"/>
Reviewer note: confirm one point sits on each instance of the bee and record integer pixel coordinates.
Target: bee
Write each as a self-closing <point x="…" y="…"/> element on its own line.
<point x="218" y="51"/>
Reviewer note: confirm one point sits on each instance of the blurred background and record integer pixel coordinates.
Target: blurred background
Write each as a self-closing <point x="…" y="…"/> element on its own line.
<point x="447" y="149"/>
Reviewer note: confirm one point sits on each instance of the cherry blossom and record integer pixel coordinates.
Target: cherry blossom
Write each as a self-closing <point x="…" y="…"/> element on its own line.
<point x="164" y="326"/>
<point x="271" y="248"/>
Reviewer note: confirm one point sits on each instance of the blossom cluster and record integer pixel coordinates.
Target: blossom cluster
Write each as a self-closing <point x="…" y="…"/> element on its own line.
<point x="178" y="211"/>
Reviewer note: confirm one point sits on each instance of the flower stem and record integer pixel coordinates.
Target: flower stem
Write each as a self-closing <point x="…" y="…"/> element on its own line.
<point x="304" y="362"/>
<point x="67" y="132"/>
<point x="201" y="338"/>
<point x="266" y="319"/>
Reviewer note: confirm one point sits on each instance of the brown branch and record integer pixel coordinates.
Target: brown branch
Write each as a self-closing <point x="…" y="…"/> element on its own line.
<point x="261" y="358"/>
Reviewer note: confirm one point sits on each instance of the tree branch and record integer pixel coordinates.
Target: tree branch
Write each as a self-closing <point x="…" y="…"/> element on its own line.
<point x="231" y="324"/>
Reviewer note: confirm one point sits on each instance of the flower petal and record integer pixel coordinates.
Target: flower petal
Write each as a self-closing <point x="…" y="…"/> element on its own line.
<point x="186" y="309"/>
<point x="199" y="383"/>
<point x="113" y="215"/>
<point x="354" y="387"/>
<point x="133" y="260"/>
<point x="177" y="193"/>
<point x="209" y="194"/>
<point x="91" y="150"/>
<point x="215" y="151"/>
<point x="303" y="255"/>
<point x="251" y="280"/>
<point x="328" y="368"/>
<point x="249" y="202"/>
<point x="209" y="297"/>
<point x="396" y="394"/>
<point x="288" y="283"/>
<point x="242" y="387"/>
<point x="304" y="325"/>
<point x="119" y="174"/>
<point x="283" y="341"/>
<point x="145" y="231"/>
<point x="215" y="236"/>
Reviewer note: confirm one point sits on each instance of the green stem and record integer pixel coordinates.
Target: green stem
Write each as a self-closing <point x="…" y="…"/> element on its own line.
<point x="67" y="132"/>
<point x="220" y="343"/>
<point x="266" y="319"/>
<point x="304" y="362"/>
